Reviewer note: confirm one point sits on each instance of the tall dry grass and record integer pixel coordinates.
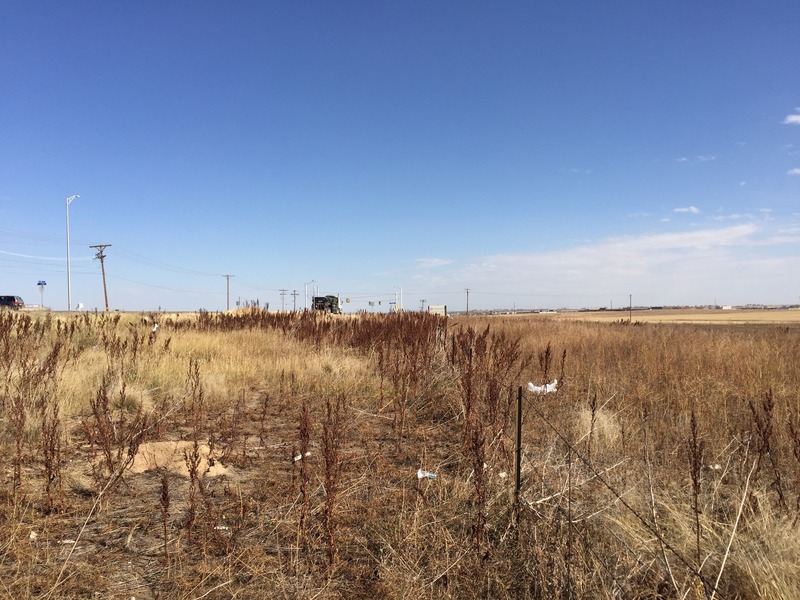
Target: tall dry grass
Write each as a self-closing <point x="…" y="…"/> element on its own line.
<point x="666" y="465"/>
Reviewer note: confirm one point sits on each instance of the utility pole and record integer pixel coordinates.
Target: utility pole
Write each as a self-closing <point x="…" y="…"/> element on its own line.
<point x="294" y="300"/>
<point x="467" y="290"/>
<point x="228" y="287"/>
<point x="101" y="256"/>
<point x="283" y="299"/>
<point x="630" y="307"/>
<point x="422" y="305"/>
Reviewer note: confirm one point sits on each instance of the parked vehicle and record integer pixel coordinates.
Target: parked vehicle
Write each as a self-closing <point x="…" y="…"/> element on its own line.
<point x="14" y="302"/>
<point x="329" y="304"/>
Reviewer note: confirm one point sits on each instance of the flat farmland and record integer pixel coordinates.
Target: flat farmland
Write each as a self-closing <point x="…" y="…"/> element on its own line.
<point x="689" y="315"/>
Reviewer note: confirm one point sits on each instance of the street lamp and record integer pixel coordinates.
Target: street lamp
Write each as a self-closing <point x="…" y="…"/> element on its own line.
<point x="398" y="307"/>
<point x="305" y="293"/>
<point x="69" y="289"/>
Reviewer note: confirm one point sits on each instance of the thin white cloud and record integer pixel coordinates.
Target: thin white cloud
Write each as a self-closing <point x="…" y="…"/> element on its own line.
<point x="793" y="119"/>
<point x="793" y="171"/>
<point x="688" y="209"/>
<point x="733" y="217"/>
<point x="432" y="263"/>
<point x="738" y="264"/>
<point x="698" y="158"/>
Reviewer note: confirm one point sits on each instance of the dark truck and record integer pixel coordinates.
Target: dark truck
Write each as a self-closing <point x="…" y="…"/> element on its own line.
<point x="14" y="302"/>
<point x="328" y="304"/>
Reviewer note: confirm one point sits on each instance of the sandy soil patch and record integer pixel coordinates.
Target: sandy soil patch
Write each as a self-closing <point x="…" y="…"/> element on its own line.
<point x="168" y="455"/>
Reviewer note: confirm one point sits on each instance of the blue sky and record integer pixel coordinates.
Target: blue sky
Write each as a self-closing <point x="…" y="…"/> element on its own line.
<point x="550" y="154"/>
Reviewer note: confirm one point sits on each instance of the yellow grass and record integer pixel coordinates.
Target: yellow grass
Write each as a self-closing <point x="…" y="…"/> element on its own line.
<point x="607" y="507"/>
<point x="697" y="316"/>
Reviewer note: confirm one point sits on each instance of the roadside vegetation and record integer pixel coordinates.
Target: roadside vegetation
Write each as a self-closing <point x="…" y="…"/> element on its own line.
<point x="298" y="455"/>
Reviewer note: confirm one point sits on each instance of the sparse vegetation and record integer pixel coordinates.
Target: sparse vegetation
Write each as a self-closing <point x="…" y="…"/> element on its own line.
<point x="258" y="454"/>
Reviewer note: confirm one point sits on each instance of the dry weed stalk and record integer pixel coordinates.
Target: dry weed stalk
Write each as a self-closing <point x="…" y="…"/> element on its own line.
<point x="196" y="412"/>
<point x="115" y="432"/>
<point x="334" y="430"/>
<point x="696" y="448"/>
<point x="165" y="501"/>
<point x="305" y="431"/>
<point x="763" y="427"/>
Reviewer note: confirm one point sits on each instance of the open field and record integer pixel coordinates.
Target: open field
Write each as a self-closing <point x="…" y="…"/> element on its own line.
<point x="285" y="455"/>
<point x="691" y="315"/>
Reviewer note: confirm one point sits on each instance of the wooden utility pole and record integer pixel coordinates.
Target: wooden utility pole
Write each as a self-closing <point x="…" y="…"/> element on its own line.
<point x="283" y="298"/>
<point x="294" y="300"/>
<point x="467" y="290"/>
<point x="101" y="256"/>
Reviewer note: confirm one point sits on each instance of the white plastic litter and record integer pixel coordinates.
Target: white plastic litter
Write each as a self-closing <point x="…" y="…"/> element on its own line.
<point x="300" y="456"/>
<point x="155" y="327"/>
<point x="547" y="388"/>
<point x="422" y="474"/>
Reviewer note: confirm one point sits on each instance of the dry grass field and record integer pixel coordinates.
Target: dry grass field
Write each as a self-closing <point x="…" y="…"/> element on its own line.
<point x="285" y="455"/>
<point x="690" y="315"/>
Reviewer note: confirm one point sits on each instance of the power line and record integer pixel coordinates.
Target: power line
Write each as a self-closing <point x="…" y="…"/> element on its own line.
<point x="161" y="287"/>
<point x="138" y="258"/>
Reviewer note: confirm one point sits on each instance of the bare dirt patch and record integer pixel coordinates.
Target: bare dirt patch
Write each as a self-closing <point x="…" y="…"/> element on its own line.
<point x="170" y="456"/>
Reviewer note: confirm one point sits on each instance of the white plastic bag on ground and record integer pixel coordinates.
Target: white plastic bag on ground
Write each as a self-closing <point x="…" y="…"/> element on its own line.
<point x="547" y="388"/>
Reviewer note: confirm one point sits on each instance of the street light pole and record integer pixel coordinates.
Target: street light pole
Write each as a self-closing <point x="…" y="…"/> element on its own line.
<point x="398" y="307"/>
<point x="305" y="293"/>
<point x="69" y="288"/>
